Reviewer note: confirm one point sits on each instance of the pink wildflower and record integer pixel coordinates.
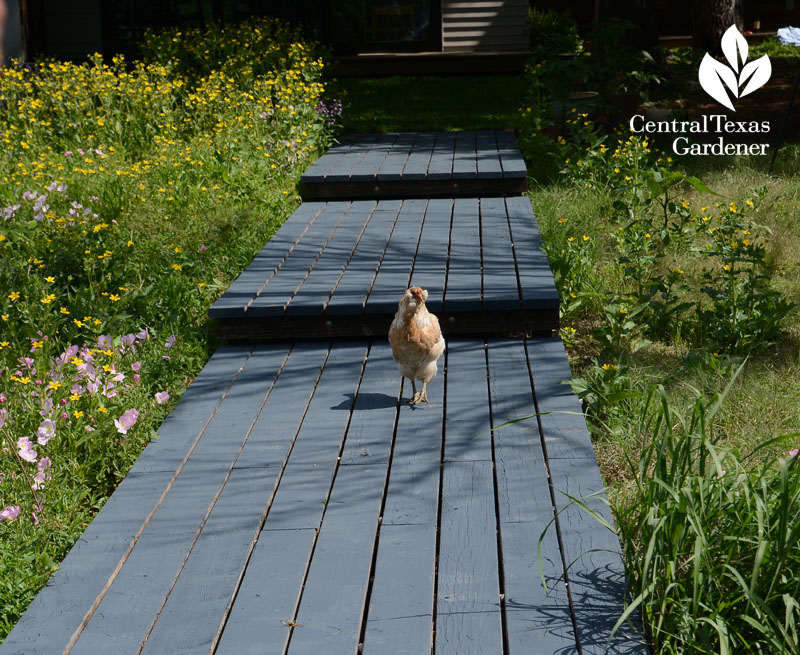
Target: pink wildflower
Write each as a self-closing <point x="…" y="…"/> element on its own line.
<point x="793" y="452"/>
<point x="162" y="397"/>
<point x="170" y="341"/>
<point x="26" y="450"/>
<point x="126" y="421"/>
<point x="11" y="512"/>
<point x="46" y="431"/>
<point x="136" y="366"/>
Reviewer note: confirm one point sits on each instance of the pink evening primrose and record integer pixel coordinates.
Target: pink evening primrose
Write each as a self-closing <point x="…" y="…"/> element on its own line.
<point x="170" y="341"/>
<point x="26" y="450"/>
<point x="11" y="512"/>
<point x="126" y="421"/>
<point x="162" y="397"/>
<point x="793" y="452"/>
<point x="46" y="431"/>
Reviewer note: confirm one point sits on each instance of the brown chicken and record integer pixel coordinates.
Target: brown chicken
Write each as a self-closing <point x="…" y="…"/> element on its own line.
<point x="416" y="341"/>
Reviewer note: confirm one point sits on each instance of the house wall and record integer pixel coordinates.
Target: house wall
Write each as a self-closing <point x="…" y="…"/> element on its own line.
<point x="482" y="25"/>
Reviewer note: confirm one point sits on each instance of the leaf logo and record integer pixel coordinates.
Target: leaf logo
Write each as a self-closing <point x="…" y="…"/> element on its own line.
<point x="715" y="75"/>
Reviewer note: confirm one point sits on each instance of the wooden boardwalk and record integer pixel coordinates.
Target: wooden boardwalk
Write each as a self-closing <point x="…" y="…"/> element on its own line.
<point x="418" y="165"/>
<point x="295" y="503"/>
<point x="334" y="270"/>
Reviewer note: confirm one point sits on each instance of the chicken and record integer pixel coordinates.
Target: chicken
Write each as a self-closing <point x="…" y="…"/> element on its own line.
<point x="416" y="341"/>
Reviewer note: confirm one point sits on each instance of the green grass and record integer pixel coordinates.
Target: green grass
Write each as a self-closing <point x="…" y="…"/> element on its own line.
<point x="389" y="104"/>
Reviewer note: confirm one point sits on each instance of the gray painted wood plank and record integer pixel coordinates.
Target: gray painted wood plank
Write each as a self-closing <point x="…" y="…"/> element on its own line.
<point x="319" y="169"/>
<point x="416" y="167"/>
<point x="335" y="589"/>
<point x="441" y="164"/>
<point x="465" y="165"/>
<point x="392" y="167"/>
<point x="595" y="575"/>
<point x="430" y="263"/>
<point x="500" y="287"/>
<point x="401" y="605"/>
<point x="299" y="500"/>
<point x="535" y="277"/>
<point x="413" y="493"/>
<point x="510" y="158"/>
<point x="57" y="611"/>
<point x="257" y="624"/>
<point x="347" y="163"/>
<point x="467" y="426"/>
<point x="311" y="297"/>
<point x="488" y="156"/>
<point x="395" y="270"/>
<point x="190" y="619"/>
<point x="132" y="604"/>
<point x="134" y="599"/>
<point x="197" y="405"/>
<point x="463" y="290"/>
<point x="537" y="620"/>
<point x="273" y="434"/>
<point x="367" y="169"/>
<point x="525" y="506"/>
<point x="565" y="432"/>
<point x="351" y="292"/>
<point x="273" y="298"/>
<point x="325" y="422"/>
<point x="523" y="489"/>
<point x="468" y="616"/>
<point x="369" y="437"/>
<point x="238" y="296"/>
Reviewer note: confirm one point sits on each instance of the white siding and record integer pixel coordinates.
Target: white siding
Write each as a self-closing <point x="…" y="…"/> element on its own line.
<point x="484" y="25"/>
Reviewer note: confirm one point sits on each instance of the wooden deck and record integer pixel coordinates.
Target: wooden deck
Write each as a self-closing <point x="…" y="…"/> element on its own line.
<point x="418" y="165"/>
<point x="293" y="504"/>
<point x="338" y="269"/>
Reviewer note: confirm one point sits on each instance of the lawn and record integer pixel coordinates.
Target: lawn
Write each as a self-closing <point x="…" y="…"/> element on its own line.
<point x="392" y="104"/>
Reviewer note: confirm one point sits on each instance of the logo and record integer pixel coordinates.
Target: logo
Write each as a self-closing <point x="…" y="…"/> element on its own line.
<point x="740" y="78"/>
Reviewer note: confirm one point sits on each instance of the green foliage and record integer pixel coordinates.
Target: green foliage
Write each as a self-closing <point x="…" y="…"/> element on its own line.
<point x="551" y="33"/>
<point x="712" y="544"/>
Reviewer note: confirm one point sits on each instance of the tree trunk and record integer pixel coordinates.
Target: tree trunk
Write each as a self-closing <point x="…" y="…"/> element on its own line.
<point x="710" y="20"/>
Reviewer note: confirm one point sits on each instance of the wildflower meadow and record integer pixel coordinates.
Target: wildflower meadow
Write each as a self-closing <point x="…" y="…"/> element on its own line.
<point x="132" y="193"/>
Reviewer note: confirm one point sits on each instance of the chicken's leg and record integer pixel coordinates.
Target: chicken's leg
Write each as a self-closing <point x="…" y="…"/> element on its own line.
<point x="415" y="399"/>
<point x="423" y="395"/>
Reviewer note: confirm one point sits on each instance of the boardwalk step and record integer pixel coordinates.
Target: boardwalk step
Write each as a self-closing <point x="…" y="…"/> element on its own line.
<point x="418" y="165"/>
<point x="342" y="274"/>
